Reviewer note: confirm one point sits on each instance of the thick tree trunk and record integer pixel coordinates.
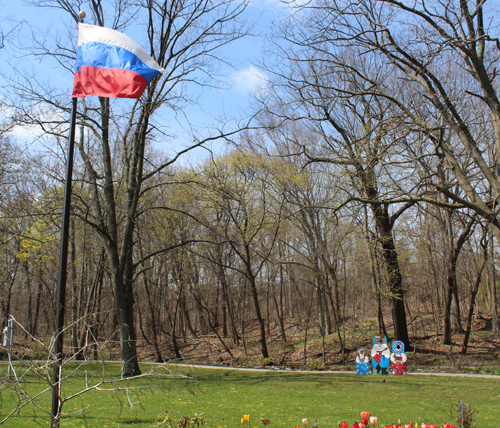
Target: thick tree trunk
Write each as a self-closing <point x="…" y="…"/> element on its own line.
<point x="124" y="300"/>
<point x="373" y="275"/>
<point x="390" y="255"/>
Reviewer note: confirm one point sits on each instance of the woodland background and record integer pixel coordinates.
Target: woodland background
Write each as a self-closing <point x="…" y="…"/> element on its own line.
<point x="359" y="192"/>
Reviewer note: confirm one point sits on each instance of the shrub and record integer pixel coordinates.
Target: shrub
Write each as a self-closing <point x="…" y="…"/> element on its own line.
<point x="315" y="365"/>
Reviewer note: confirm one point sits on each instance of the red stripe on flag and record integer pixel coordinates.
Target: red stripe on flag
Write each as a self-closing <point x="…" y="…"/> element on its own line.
<point x="112" y="83"/>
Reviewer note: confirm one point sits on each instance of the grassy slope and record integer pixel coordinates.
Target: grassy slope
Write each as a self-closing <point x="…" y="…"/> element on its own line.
<point x="284" y="398"/>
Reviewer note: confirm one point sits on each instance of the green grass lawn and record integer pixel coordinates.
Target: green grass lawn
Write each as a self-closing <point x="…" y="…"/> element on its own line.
<point x="224" y="396"/>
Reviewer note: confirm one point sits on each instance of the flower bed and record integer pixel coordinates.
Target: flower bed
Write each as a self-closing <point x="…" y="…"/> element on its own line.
<point x="367" y="421"/>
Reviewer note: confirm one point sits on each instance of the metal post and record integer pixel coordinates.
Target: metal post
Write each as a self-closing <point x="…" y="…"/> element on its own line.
<point x="63" y="264"/>
<point x="8" y="337"/>
<point x="10" y="333"/>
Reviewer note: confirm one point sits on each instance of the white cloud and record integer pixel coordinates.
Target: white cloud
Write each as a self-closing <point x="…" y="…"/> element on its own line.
<point x="281" y="4"/>
<point x="53" y="120"/>
<point x="250" y="79"/>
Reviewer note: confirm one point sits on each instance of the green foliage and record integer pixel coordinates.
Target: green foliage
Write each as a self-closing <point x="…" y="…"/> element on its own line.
<point x="267" y="361"/>
<point x="32" y="242"/>
<point x="315" y="365"/>
<point x="185" y="422"/>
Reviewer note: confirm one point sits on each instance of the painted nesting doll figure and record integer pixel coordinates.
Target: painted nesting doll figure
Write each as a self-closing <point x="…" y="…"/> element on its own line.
<point x="362" y="362"/>
<point x="380" y="355"/>
<point x="398" y="358"/>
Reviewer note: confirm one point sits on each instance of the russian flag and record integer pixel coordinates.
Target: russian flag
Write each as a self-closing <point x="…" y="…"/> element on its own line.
<point x="110" y="64"/>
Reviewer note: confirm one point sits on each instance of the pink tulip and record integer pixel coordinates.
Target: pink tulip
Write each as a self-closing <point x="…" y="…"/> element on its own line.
<point x="373" y="420"/>
<point x="304" y="421"/>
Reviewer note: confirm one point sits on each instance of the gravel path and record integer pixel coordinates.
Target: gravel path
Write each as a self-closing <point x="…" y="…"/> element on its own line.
<point x="277" y="369"/>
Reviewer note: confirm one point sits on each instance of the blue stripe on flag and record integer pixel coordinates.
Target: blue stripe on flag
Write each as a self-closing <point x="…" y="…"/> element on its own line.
<point x="104" y="56"/>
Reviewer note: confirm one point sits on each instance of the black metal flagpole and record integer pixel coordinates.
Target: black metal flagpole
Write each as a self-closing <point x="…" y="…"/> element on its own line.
<point x="63" y="267"/>
<point x="63" y="264"/>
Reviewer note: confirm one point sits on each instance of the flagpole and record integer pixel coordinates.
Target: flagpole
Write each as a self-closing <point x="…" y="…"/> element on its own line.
<point x="63" y="264"/>
<point x="130" y="91"/>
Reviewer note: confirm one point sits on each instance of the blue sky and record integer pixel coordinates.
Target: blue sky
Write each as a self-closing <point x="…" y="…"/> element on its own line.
<point x="242" y="79"/>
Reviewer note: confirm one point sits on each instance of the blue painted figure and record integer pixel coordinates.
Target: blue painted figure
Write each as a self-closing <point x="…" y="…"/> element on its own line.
<point x="398" y="358"/>
<point x="362" y="362"/>
<point x="380" y="355"/>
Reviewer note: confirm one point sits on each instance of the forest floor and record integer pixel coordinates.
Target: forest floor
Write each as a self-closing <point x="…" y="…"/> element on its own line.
<point x="314" y="353"/>
<point x="304" y="348"/>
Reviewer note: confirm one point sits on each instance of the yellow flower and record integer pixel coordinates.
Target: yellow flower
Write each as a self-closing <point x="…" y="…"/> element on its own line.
<point x="242" y="420"/>
<point x="247" y="418"/>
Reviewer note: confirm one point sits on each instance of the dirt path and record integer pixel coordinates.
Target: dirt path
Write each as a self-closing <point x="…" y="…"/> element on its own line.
<point x="277" y="369"/>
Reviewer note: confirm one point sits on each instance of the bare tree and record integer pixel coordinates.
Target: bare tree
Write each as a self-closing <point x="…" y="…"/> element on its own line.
<point x="183" y="37"/>
<point x="361" y="136"/>
<point x="403" y="57"/>
<point x="237" y="189"/>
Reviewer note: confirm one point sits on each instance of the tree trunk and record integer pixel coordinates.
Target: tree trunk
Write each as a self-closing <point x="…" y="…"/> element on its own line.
<point x="125" y="313"/>
<point x="452" y="318"/>
<point x="373" y="275"/>
<point x="493" y="285"/>
<point x="185" y="314"/>
<point x="225" y="295"/>
<point x="472" y="303"/>
<point x="173" y="324"/>
<point x="390" y="255"/>
<point x="152" y="317"/>
<point x="336" y="316"/>
<point x="323" y="318"/>
<point x="280" y="309"/>
<point x="262" y="325"/>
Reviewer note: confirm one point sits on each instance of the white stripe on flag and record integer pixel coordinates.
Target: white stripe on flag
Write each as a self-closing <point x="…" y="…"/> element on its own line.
<point x="93" y="33"/>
